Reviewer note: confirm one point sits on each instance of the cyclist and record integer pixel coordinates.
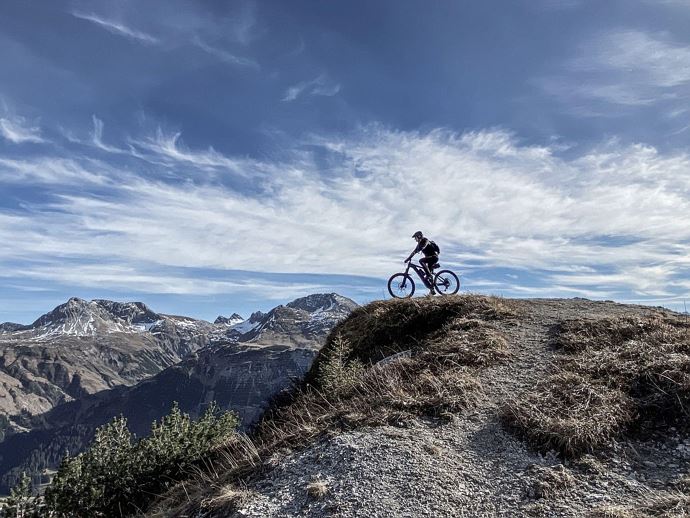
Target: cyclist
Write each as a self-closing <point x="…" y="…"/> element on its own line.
<point x="430" y="251"/>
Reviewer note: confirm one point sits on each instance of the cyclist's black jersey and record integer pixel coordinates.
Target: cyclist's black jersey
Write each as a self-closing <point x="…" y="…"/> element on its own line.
<point x="425" y="246"/>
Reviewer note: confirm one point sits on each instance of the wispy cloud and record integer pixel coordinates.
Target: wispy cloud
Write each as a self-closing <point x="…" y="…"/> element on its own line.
<point x="627" y="68"/>
<point x="116" y="27"/>
<point x="608" y="221"/>
<point x="97" y="137"/>
<point x="224" y="55"/>
<point x="167" y="148"/>
<point x="643" y="58"/>
<point x="51" y="170"/>
<point x="319" y="86"/>
<point x="140" y="280"/>
<point x="17" y="130"/>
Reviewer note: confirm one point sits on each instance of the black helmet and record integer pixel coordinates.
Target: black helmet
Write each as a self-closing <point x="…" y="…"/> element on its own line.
<point x="418" y="234"/>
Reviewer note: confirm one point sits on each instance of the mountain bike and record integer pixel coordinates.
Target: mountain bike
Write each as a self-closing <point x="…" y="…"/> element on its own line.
<point x="444" y="282"/>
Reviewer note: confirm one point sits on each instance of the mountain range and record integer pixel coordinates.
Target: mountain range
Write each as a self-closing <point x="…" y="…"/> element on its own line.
<point x="79" y="365"/>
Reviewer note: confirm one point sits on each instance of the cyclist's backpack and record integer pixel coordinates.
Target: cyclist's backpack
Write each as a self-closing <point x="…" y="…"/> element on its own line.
<point x="434" y="247"/>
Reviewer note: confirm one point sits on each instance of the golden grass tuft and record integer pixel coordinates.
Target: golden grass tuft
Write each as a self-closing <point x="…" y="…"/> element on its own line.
<point x="433" y="449"/>
<point x="226" y="497"/>
<point x="569" y="413"/>
<point x="662" y="505"/>
<point x="614" y="375"/>
<point x="550" y="482"/>
<point x="317" y="489"/>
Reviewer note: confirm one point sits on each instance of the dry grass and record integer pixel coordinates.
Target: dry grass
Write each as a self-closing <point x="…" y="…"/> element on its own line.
<point x="226" y="497"/>
<point x="550" y="482"/>
<point x="466" y="342"/>
<point x="569" y="413"/>
<point x="449" y="337"/>
<point x="615" y="375"/>
<point x="382" y="395"/>
<point x="383" y="328"/>
<point x="663" y="505"/>
<point x="317" y="489"/>
<point x="433" y="449"/>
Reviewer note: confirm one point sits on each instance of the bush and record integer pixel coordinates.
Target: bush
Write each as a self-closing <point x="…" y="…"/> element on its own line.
<point x="118" y="476"/>
<point x="20" y="503"/>
<point x="338" y="374"/>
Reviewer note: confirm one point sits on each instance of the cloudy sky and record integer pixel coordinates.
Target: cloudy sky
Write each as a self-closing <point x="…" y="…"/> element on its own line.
<point x="209" y="157"/>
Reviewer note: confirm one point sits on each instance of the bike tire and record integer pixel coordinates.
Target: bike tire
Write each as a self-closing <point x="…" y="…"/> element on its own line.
<point x="398" y="281"/>
<point x="449" y="283"/>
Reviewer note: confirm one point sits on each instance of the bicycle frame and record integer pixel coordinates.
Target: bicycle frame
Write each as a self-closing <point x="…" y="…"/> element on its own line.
<point x="421" y="273"/>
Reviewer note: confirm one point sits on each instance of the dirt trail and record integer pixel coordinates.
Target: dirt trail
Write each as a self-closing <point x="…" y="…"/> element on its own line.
<point x="470" y="466"/>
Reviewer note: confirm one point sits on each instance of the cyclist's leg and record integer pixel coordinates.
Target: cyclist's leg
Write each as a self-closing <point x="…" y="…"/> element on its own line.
<point x="426" y="262"/>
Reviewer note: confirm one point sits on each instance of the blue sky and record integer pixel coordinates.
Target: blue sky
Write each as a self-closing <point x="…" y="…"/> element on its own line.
<point x="210" y="157"/>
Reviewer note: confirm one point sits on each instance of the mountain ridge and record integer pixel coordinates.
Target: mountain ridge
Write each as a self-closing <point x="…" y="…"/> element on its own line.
<point x="241" y="366"/>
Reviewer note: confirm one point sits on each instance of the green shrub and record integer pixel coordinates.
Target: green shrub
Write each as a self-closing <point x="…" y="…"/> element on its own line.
<point x="20" y="503"/>
<point x="337" y="373"/>
<point x="118" y="475"/>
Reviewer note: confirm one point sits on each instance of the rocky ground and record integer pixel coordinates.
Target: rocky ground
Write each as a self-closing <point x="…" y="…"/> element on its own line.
<point x="470" y="465"/>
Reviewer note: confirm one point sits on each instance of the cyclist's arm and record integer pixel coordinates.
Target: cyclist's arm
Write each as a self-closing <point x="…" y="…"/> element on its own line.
<point x="415" y="251"/>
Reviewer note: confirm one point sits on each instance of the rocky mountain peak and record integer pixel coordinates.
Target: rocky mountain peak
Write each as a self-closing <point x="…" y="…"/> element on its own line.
<point x="80" y="317"/>
<point x="257" y="316"/>
<point x="131" y="312"/>
<point x="322" y="302"/>
<point x="306" y="320"/>
<point x="10" y="327"/>
<point x="231" y="320"/>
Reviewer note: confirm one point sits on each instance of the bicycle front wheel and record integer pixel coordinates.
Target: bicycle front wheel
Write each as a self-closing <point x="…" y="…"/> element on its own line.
<point x="401" y="286"/>
<point x="446" y="283"/>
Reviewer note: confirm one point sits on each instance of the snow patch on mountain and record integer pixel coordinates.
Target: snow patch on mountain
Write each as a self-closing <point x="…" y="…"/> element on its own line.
<point x="232" y="320"/>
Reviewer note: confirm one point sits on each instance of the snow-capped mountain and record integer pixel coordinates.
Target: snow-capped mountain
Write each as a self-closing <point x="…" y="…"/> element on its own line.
<point x="85" y="362"/>
<point x="229" y="321"/>
<point x="78" y="317"/>
<point x="82" y="347"/>
<point x="301" y="322"/>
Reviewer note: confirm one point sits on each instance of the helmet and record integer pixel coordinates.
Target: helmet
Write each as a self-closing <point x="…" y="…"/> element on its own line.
<point x="418" y="234"/>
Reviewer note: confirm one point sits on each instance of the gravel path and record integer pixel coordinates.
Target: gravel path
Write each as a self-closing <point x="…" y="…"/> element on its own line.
<point x="471" y="466"/>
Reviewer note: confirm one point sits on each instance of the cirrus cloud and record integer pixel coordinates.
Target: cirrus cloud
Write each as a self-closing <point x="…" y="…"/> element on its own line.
<point x="608" y="221"/>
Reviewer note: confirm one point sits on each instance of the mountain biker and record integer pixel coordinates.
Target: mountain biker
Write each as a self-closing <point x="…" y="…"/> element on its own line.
<point x="430" y="251"/>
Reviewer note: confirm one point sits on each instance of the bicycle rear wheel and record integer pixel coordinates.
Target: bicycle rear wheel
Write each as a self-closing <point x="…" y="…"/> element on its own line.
<point x="401" y="286"/>
<point x="446" y="283"/>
